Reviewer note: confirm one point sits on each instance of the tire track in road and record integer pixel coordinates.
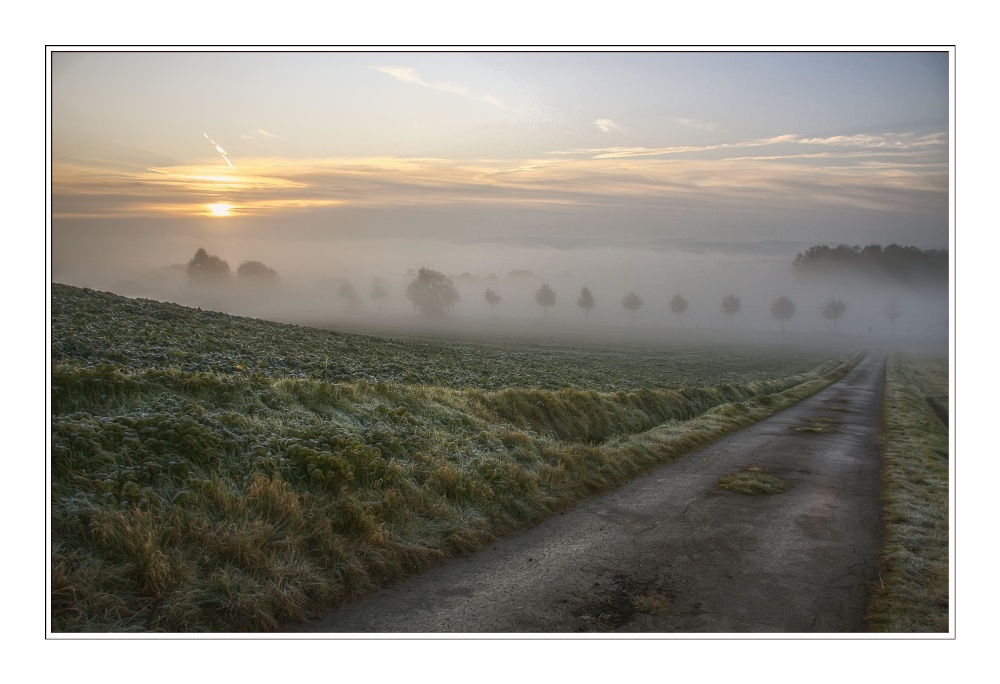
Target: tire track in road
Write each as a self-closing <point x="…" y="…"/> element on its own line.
<point x="672" y="553"/>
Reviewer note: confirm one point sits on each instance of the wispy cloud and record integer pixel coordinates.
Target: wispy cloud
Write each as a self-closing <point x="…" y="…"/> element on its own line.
<point x="883" y="142"/>
<point x="802" y="174"/>
<point x="260" y="134"/>
<point x="696" y="123"/>
<point x="903" y="141"/>
<point x="616" y="152"/>
<point x="408" y="75"/>
<point x="608" y="125"/>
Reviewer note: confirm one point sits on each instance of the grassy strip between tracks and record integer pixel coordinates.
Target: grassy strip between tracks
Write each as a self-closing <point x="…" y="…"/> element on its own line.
<point x="913" y="592"/>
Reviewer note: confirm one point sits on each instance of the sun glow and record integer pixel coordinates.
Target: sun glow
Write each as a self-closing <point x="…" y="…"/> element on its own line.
<point x="220" y="209"/>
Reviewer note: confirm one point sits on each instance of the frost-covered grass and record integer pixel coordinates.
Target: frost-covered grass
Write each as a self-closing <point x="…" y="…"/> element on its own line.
<point x="214" y="473"/>
<point x="92" y="328"/>
<point x="913" y="595"/>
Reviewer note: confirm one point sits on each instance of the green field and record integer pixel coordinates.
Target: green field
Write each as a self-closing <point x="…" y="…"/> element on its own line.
<point x="217" y="473"/>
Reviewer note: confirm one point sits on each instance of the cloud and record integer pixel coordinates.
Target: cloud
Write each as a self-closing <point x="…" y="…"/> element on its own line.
<point x="696" y="123"/>
<point x="607" y="125"/>
<point x="887" y="140"/>
<point x="900" y="142"/>
<point x="405" y="74"/>
<point x="798" y="175"/>
<point x="260" y="134"/>
<point x="408" y="75"/>
<point x="615" y="152"/>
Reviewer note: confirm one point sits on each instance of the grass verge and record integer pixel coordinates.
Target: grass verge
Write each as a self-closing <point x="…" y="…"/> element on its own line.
<point x="913" y="594"/>
<point x="247" y="505"/>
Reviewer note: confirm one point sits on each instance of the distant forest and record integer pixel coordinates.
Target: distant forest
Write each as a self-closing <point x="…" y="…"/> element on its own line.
<point x="908" y="264"/>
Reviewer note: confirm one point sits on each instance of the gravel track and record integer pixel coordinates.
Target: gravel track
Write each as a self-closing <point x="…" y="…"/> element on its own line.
<point x="672" y="553"/>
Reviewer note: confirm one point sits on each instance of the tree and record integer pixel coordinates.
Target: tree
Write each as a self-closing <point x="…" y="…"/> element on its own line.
<point x="432" y="293"/>
<point x="633" y="303"/>
<point x="893" y="313"/>
<point x="347" y="292"/>
<point x="782" y="309"/>
<point x="586" y="302"/>
<point x="492" y="298"/>
<point x="731" y="307"/>
<point x="834" y="310"/>
<point x="205" y="267"/>
<point x="378" y="293"/>
<point x="256" y="272"/>
<point x="678" y="305"/>
<point x="545" y="297"/>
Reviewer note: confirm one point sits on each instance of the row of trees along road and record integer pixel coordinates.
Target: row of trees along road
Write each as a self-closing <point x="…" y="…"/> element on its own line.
<point x="434" y="295"/>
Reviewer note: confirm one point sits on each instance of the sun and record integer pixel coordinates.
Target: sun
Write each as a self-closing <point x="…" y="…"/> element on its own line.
<point x="220" y="209"/>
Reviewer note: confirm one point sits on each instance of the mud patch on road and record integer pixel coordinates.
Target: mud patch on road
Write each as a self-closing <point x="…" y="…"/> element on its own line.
<point x="818" y="426"/>
<point x="753" y="481"/>
<point x="620" y="599"/>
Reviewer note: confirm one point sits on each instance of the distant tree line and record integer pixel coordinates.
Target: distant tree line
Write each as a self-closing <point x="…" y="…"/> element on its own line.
<point x="434" y="295"/>
<point x="909" y="264"/>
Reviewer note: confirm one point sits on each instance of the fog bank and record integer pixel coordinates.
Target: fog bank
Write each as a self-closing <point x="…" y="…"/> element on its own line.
<point x="335" y="289"/>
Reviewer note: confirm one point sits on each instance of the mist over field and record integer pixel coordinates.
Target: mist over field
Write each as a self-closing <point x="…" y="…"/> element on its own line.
<point x="698" y="174"/>
<point x="335" y="289"/>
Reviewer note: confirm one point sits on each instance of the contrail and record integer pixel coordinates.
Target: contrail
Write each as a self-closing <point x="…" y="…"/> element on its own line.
<point x="218" y="148"/>
<point x="225" y="155"/>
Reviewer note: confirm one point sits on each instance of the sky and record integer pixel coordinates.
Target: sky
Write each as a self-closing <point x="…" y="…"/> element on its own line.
<point x="157" y="153"/>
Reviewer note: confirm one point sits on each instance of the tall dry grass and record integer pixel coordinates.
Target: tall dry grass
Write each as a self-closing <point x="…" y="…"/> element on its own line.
<point x="913" y="591"/>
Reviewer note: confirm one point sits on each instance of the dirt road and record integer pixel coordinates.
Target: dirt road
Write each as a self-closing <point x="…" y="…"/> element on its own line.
<point x="671" y="552"/>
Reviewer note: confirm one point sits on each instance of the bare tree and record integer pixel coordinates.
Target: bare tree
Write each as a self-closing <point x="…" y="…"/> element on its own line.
<point x="833" y="310"/>
<point x="782" y="309"/>
<point x="432" y="293"/>
<point x="633" y="303"/>
<point x="348" y="294"/>
<point x="731" y="307"/>
<point x="586" y="302"/>
<point x="492" y="298"/>
<point x="892" y="312"/>
<point x="545" y="297"/>
<point x="678" y="305"/>
<point x="378" y="293"/>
